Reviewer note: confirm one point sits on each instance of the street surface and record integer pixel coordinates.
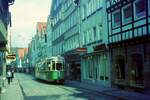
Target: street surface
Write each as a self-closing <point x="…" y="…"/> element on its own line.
<point x="38" y="90"/>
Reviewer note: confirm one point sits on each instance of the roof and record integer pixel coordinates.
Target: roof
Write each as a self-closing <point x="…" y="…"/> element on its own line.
<point x="41" y="26"/>
<point x="22" y="52"/>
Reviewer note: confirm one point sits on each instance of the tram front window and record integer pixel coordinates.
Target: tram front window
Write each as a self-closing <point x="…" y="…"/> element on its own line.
<point x="58" y="66"/>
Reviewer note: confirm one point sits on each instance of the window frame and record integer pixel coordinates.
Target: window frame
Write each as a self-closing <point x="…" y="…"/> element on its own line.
<point x="148" y="7"/>
<point x="129" y="19"/>
<point x="141" y="14"/>
<point x="115" y="25"/>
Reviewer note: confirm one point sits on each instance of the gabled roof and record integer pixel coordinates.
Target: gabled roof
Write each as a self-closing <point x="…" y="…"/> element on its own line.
<point x="22" y="52"/>
<point x="41" y="26"/>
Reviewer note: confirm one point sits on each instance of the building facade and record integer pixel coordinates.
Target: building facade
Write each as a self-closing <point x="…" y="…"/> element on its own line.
<point x="4" y="22"/>
<point x="129" y="35"/>
<point x="41" y="40"/>
<point x="56" y="27"/>
<point x="38" y="46"/>
<point x="79" y="33"/>
<point x="65" y="33"/>
<point x="71" y="32"/>
<point x="32" y="53"/>
<point x="95" y="62"/>
<point x="49" y="36"/>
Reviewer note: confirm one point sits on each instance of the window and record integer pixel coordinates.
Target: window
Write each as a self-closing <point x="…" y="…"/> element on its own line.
<point x="100" y="31"/>
<point x="45" y="35"/>
<point x="94" y="5"/>
<point x="89" y="35"/>
<point x="94" y="32"/>
<point x="148" y="7"/>
<point x="1" y="68"/>
<point x="120" y="67"/>
<point x="97" y="4"/>
<point x="116" y="19"/>
<point x="127" y="14"/>
<point x="88" y="8"/>
<point x="140" y="8"/>
<point x="53" y="65"/>
<point x="84" y="37"/>
<point x="100" y="3"/>
<point x="1" y="63"/>
<point x="83" y="15"/>
<point x="85" y="11"/>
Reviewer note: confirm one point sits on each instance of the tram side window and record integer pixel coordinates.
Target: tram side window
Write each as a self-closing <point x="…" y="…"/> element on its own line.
<point x="59" y="66"/>
<point x="42" y="68"/>
<point x="53" y="65"/>
<point x="48" y="65"/>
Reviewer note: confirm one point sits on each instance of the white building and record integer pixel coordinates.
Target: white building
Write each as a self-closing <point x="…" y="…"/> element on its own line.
<point x="95" y="67"/>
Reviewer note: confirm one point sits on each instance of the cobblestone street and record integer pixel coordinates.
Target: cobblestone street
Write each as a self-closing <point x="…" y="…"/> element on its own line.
<point x="39" y="90"/>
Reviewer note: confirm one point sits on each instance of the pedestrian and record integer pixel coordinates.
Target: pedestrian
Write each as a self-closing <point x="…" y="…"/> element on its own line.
<point x="9" y="75"/>
<point x="12" y="75"/>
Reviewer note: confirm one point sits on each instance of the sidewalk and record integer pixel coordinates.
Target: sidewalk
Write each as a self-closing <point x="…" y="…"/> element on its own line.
<point x="12" y="91"/>
<point x="121" y="94"/>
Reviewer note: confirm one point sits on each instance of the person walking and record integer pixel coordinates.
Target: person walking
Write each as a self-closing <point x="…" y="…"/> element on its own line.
<point x="9" y="75"/>
<point x="12" y="75"/>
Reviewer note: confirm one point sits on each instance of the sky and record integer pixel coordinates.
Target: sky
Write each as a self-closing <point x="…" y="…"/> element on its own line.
<point x="24" y="15"/>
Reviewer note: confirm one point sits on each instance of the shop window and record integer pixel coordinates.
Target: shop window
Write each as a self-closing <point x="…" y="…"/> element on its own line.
<point x="106" y="78"/>
<point x="137" y="69"/>
<point x="101" y="77"/>
<point x="120" y="67"/>
<point x="127" y="14"/>
<point x="116" y="19"/>
<point x="140" y="8"/>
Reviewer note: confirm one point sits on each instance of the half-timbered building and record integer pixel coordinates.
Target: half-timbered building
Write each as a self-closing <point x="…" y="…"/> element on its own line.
<point x="129" y="42"/>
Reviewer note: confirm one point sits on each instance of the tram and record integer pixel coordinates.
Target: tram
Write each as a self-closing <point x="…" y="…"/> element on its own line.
<point x="51" y="69"/>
